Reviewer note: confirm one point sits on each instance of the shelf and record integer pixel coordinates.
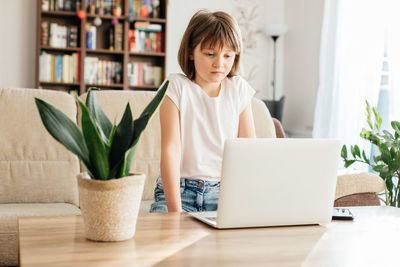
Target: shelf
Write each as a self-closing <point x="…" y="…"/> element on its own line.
<point x="122" y="57"/>
<point x="156" y="54"/>
<point x="65" y="49"/>
<point x="91" y="16"/>
<point x="143" y="87"/>
<point x="151" y="20"/>
<point x="59" y="13"/>
<point x="58" y="83"/>
<point x="104" y="51"/>
<point x="113" y="85"/>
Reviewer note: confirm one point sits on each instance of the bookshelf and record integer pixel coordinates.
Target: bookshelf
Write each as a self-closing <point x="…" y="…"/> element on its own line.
<point x="103" y="47"/>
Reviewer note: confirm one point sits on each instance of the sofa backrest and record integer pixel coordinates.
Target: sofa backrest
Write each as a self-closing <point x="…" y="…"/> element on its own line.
<point x="33" y="166"/>
<point x="147" y="157"/>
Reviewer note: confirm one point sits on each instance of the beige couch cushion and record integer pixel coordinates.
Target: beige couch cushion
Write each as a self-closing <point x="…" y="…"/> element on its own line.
<point x="352" y="182"/>
<point x="9" y="224"/>
<point x="33" y="166"/>
<point x="262" y="120"/>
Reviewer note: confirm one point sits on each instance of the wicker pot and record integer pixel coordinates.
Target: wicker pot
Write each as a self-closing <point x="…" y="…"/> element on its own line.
<point x="110" y="208"/>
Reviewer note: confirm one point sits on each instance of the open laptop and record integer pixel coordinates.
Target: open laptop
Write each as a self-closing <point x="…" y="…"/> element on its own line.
<point x="273" y="182"/>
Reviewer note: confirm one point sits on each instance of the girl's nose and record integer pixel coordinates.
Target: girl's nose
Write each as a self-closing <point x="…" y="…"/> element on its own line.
<point x="218" y="61"/>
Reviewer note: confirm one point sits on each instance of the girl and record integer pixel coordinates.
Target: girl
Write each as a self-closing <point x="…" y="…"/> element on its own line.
<point x="207" y="105"/>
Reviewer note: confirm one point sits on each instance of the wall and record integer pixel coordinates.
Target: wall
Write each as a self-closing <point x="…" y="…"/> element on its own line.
<point x="301" y="64"/>
<point x="18" y="43"/>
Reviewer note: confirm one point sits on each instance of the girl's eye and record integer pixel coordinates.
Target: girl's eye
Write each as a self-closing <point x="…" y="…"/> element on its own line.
<point x="228" y="56"/>
<point x="209" y="54"/>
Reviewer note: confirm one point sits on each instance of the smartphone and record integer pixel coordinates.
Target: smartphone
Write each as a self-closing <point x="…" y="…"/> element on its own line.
<point x="342" y="214"/>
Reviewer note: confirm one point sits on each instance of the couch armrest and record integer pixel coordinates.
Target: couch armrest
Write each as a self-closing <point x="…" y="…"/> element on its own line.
<point x="358" y="182"/>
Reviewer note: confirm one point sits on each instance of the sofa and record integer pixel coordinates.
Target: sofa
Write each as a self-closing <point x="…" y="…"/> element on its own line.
<point x="38" y="175"/>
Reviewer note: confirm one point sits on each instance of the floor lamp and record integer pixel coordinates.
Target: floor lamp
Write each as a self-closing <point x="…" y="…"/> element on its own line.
<point x="275" y="106"/>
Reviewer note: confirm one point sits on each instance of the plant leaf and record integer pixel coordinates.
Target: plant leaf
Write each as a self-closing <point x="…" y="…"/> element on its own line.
<point x="140" y="124"/>
<point x="122" y="138"/>
<point x="97" y="149"/>
<point x="344" y="152"/>
<point x="348" y="163"/>
<point x="104" y="125"/>
<point x="126" y="165"/>
<point x="65" y="131"/>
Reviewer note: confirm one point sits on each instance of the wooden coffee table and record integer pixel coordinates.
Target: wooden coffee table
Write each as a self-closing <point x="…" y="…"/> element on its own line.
<point x="178" y="240"/>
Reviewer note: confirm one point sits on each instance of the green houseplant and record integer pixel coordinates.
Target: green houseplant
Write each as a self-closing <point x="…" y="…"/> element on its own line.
<point x="387" y="162"/>
<point x="109" y="194"/>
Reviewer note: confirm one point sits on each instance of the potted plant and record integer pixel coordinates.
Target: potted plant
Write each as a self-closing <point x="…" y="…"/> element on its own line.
<point x="109" y="194"/>
<point x="387" y="162"/>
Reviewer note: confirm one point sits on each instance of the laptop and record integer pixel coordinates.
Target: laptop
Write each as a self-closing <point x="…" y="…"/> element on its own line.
<point x="275" y="182"/>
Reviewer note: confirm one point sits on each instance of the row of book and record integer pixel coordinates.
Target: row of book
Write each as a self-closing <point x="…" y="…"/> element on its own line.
<point x="145" y="8"/>
<point x="59" y="68"/>
<point x="61" y="5"/>
<point x="105" y="72"/>
<point x="104" y="7"/>
<point x="142" y="73"/>
<point x="115" y="37"/>
<point x="55" y="35"/>
<point x="145" y="37"/>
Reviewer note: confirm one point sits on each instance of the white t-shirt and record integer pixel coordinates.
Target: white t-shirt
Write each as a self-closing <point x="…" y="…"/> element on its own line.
<point x="206" y="122"/>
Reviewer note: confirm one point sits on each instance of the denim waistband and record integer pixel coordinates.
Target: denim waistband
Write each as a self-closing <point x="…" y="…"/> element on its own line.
<point x="199" y="184"/>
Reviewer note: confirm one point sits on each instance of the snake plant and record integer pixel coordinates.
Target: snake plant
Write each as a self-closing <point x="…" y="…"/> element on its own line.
<point x="105" y="149"/>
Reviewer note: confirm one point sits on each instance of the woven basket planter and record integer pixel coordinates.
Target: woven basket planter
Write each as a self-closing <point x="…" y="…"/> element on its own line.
<point x="110" y="208"/>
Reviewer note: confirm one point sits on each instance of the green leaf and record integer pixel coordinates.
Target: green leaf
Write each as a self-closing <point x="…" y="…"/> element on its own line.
<point x="126" y="165"/>
<point x="378" y="119"/>
<point x="365" y="157"/>
<point x="378" y="168"/>
<point x="65" y="131"/>
<point x="122" y="137"/>
<point x="111" y="138"/>
<point x="348" y="163"/>
<point x="97" y="149"/>
<point x="344" y="152"/>
<point x="140" y="124"/>
<point x="396" y="126"/>
<point x="357" y="151"/>
<point x="102" y="122"/>
<point x="368" y="111"/>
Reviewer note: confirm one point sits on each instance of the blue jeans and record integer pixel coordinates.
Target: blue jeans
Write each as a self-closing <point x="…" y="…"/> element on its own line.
<point x="196" y="195"/>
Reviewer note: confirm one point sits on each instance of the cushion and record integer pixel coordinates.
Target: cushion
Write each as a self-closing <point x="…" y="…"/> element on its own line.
<point x="262" y="120"/>
<point x="33" y="166"/>
<point x="350" y="183"/>
<point x="9" y="214"/>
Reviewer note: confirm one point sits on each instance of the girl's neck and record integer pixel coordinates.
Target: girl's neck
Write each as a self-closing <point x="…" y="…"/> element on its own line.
<point x="211" y="89"/>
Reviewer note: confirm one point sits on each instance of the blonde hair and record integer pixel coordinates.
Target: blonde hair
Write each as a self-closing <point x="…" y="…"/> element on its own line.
<point x="210" y="28"/>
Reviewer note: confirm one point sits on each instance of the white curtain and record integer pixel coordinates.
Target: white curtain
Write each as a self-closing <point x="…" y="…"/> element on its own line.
<point x="393" y="48"/>
<point x="351" y="54"/>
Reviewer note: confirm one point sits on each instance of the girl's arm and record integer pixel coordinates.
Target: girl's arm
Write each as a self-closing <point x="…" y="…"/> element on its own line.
<point x="246" y="123"/>
<point x="170" y="154"/>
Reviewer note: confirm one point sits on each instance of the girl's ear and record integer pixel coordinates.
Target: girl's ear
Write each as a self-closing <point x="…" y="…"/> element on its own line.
<point x="191" y="54"/>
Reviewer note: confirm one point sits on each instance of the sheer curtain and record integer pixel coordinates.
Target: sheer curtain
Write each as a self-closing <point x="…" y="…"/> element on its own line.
<point x="393" y="48"/>
<point x="352" y="47"/>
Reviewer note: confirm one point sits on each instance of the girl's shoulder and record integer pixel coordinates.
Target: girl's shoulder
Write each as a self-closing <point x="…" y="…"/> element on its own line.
<point x="177" y="78"/>
<point x="238" y="82"/>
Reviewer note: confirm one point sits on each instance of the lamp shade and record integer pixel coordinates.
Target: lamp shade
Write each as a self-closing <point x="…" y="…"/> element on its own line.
<point x="275" y="29"/>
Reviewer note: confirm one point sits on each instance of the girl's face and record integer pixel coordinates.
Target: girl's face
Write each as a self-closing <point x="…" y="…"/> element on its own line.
<point x="212" y="65"/>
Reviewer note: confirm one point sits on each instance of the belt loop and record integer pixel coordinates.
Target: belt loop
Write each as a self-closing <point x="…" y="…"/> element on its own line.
<point x="200" y="184"/>
<point x="183" y="182"/>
